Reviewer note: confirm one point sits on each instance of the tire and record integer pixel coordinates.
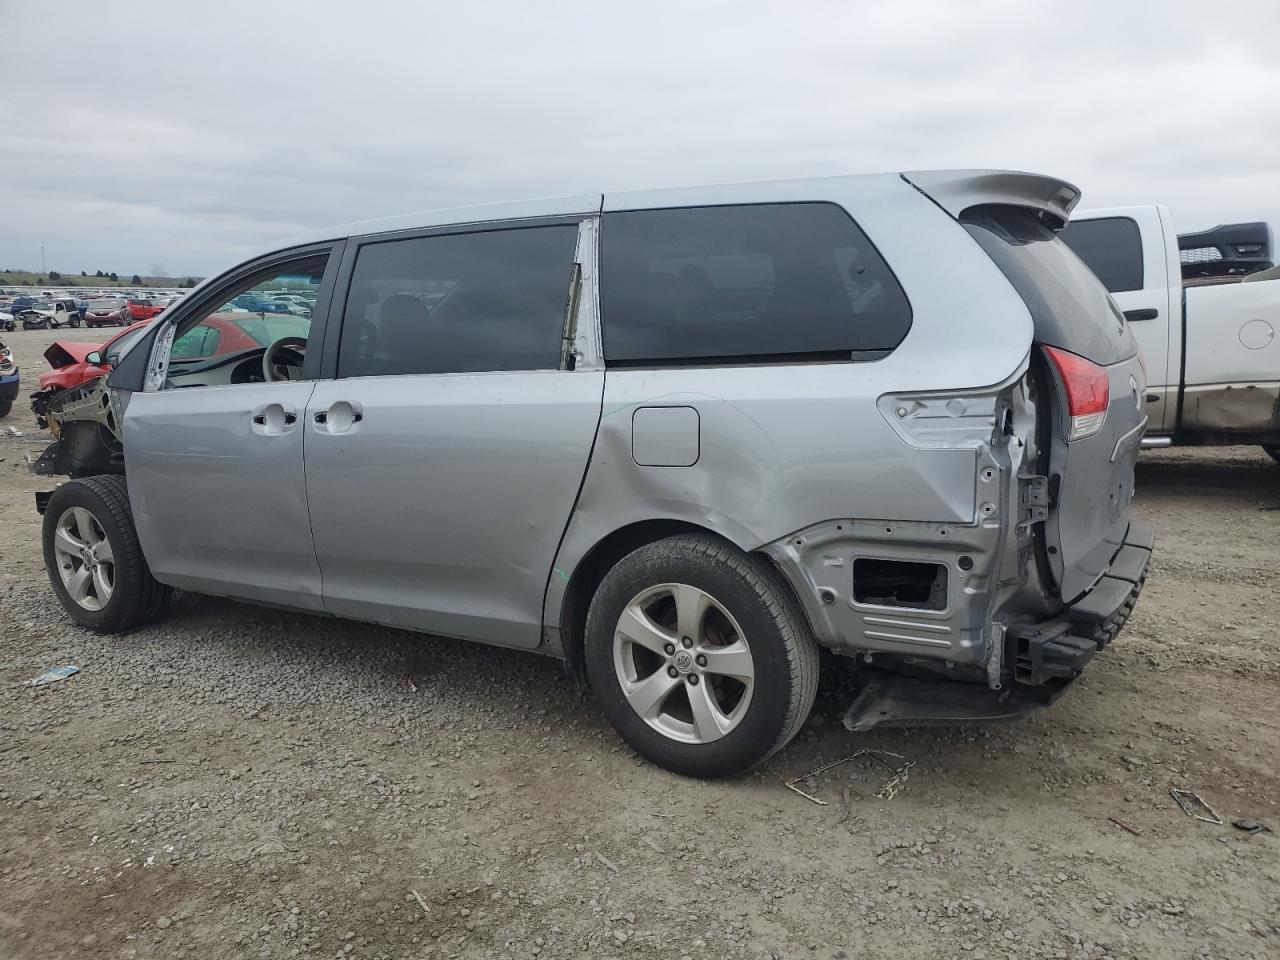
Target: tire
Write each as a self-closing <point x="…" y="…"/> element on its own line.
<point x="135" y="597"/>
<point x="1273" y="449"/>
<point x="743" y="606"/>
<point x="5" y="407"/>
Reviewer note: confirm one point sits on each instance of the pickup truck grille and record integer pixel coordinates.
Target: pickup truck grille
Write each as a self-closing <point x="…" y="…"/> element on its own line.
<point x="1200" y="255"/>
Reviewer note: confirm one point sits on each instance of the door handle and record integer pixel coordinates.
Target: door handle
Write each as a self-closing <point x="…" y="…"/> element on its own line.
<point x="1145" y="313"/>
<point x="273" y="418"/>
<point x="340" y="417"/>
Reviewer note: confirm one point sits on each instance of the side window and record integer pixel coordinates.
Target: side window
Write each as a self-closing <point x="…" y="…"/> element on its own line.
<point x="458" y="303"/>
<point x="240" y="323"/>
<point x="759" y="281"/>
<point x="200" y="341"/>
<point x="1111" y="248"/>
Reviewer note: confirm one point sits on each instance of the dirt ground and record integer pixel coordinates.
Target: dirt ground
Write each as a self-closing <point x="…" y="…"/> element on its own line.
<point x="243" y="782"/>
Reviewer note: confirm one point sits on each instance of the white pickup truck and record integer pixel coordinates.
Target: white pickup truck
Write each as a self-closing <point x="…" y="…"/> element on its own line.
<point x="1209" y="341"/>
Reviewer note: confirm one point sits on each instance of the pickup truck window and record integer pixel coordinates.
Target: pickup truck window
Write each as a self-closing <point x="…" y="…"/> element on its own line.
<point x="1112" y="247"/>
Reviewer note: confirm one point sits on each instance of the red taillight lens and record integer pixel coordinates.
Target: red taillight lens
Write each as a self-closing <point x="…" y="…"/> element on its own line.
<point x="1088" y="391"/>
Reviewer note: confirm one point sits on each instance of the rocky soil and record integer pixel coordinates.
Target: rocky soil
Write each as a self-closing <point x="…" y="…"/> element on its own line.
<point x="242" y="782"/>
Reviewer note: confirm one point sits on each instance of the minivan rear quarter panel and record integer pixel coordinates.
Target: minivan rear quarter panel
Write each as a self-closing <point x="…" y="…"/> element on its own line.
<point x="786" y="445"/>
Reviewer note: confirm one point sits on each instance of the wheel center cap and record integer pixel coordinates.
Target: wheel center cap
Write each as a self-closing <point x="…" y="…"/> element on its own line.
<point x="683" y="661"/>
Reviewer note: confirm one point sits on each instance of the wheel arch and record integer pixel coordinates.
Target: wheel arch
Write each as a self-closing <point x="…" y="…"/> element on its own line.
<point x="581" y="585"/>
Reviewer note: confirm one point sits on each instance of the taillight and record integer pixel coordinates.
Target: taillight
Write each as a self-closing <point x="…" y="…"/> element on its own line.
<point x="1088" y="391"/>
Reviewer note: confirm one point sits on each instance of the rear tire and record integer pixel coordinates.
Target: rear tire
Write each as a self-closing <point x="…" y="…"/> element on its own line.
<point x="5" y="407"/>
<point x="717" y="637"/>
<point x="94" y="560"/>
<point x="1273" y="449"/>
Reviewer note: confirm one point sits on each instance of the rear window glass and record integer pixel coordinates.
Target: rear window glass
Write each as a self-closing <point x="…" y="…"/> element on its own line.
<point x="758" y="281"/>
<point x="1070" y="307"/>
<point x="1112" y="247"/>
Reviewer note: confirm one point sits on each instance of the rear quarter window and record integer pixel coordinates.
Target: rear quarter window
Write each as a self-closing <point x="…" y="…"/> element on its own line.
<point x="1111" y="247"/>
<point x="1069" y="305"/>
<point x="750" y="282"/>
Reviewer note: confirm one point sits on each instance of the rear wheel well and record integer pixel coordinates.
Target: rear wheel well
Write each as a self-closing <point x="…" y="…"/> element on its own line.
<point x="586" y="577"/>
<point x="600" y="559"/>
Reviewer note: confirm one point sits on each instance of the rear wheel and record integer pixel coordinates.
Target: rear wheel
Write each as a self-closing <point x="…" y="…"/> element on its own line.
<point x="699" y="656"/>
<point x="5" y="407"/>
<point x="94" y="560"/>
<point x="1273" y="449"/>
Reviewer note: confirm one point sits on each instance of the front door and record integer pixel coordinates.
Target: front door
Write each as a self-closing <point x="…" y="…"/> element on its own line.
<point x="214" y="457"/>
<point x="444" y="460"/>
<point x="1126" y="249"/>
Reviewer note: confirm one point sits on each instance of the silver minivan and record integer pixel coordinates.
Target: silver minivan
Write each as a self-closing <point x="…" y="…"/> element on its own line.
<point x="682" y="440"/>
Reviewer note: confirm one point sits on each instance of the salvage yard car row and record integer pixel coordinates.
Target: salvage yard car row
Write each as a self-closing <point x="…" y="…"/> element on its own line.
<point x="53" y="310"/>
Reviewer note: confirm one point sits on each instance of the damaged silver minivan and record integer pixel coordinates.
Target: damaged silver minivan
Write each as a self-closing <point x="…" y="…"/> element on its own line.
<point x="680" y="439"/>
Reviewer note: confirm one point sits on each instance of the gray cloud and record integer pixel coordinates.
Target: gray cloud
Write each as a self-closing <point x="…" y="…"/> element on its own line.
<point x="195" y="140"/>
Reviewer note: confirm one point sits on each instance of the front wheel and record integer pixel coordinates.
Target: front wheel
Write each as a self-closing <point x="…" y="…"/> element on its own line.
<point x="1273" y="449"/>
<point x="94" y="560"/>
<point x="5" y="407"/>
<point x="75" y="323"/>
<point x="700" y="657"/>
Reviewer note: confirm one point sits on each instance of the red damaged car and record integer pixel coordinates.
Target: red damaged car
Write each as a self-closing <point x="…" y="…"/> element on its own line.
<point x="142" y="309"/>
<point x="76" y="363"/>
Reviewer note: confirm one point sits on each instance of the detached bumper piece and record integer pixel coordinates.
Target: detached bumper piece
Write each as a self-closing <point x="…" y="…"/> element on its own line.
<point x="1054" y="652"/>
<point x="1044" y="658"/>
<point x="894" y="700"/>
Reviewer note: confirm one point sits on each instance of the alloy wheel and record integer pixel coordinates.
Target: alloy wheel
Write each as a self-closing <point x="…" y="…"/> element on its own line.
<point x="683" y="663"/>
<point x="85" y="561"/>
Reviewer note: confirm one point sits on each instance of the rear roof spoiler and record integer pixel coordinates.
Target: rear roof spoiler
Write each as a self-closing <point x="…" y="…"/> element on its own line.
<point x="958" y="190"/>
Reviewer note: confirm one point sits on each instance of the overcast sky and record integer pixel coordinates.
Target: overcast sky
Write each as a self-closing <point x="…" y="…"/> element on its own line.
<point x="142" y="133"/>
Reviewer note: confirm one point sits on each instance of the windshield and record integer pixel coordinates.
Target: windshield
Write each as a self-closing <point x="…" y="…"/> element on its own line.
<point x="109" y="303"/>
<point x="266" y="329"/>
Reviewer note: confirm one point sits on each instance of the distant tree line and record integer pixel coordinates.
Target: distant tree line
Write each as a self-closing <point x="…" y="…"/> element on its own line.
<point x="55" y="277"/>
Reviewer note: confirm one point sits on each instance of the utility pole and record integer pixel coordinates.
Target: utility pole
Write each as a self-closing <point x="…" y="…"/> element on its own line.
<point x="42" y="269"/>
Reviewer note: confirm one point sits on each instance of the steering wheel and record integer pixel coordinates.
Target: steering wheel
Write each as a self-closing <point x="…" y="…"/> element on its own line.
<point x="288" y="362"/>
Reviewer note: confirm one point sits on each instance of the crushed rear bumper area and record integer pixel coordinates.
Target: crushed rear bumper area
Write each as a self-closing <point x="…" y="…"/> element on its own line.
<point x="1043" y="659"/>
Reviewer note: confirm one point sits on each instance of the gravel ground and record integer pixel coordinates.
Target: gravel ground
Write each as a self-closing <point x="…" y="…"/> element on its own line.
<point x="243" y="782"/>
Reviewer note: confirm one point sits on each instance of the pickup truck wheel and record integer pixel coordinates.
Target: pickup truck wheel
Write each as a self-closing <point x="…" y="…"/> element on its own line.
<point x="699" y="656"/>
<point x="1273" y="449"/>
<point x="94" y="560"/>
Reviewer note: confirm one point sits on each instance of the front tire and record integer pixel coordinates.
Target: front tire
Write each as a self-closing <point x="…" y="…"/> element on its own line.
<point x="94" y="560"/>
<point x="5" y="407"/>
<point x="700" y="657"/>
<point x="1273" y="449"/>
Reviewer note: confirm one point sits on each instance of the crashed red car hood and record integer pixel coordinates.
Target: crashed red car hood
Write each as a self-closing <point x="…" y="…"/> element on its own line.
<point x="63" y="353"/>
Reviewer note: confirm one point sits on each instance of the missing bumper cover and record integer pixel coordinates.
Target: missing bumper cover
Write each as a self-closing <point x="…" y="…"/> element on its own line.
<point x="900" y="583"/>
